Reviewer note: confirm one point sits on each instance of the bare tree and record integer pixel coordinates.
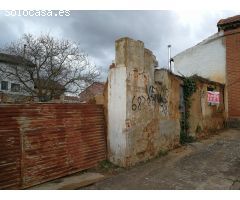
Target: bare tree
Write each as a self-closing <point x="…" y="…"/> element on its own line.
<point x="48" y="66"/>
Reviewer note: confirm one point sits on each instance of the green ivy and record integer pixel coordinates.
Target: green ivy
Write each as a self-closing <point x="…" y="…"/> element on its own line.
<point x="189" y="87"/>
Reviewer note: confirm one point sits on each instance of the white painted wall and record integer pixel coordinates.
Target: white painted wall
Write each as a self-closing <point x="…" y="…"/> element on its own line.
<point x="207" y="59"/>
<point x="117" y="114"/>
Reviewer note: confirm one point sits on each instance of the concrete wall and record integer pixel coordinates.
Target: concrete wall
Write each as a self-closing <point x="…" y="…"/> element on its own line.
<point x="206" y="59"/>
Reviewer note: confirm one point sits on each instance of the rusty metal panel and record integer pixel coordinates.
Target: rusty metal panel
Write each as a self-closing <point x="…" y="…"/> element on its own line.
<point x="56" y="139"/>
<point x="62" y="139"/>
<point x="10" y="151"/>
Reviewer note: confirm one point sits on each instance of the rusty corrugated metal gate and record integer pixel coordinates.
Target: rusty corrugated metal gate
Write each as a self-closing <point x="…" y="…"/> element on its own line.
<point x="41" y="142"/>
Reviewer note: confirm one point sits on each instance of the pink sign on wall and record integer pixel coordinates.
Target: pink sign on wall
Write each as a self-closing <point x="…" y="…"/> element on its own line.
<point x="213" y="97"/>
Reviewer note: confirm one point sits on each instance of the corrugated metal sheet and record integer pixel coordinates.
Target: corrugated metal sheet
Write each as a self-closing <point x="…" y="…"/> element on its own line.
<point x="56" y="139"/>
<point x="10" y="151"/>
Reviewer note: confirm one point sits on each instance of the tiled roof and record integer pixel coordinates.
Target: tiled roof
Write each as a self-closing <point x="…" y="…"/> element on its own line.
<point x="229" y="20"/>
<point x="229" y="23"/>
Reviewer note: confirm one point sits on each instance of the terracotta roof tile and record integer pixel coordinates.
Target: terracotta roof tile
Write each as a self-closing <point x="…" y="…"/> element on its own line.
<point x="229" y="20"/>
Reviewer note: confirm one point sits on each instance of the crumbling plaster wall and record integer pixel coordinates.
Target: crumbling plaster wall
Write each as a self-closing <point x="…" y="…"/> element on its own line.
<point x="143" y="106"/>
<point x="204" y="117"/>
<point x="143" y="121"/>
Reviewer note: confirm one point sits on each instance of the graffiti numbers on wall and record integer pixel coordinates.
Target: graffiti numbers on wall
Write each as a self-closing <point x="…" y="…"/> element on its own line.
<point x="153" y="96"/>
<point x="138" y="102"/>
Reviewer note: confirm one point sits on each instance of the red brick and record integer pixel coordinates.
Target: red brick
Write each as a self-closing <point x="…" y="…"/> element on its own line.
<point x="233" y="71"/>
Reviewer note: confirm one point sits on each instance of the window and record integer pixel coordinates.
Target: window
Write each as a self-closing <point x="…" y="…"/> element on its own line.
<point x="15" y="87"/>
<point x="210" y="88"/>
<point x="4" y="85"/>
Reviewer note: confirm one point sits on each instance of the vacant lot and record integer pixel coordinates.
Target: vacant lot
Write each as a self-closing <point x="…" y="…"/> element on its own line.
<point x="208" y="164"/>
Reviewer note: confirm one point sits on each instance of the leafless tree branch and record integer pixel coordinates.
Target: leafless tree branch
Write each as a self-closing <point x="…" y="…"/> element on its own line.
<point x="53" y="66"/>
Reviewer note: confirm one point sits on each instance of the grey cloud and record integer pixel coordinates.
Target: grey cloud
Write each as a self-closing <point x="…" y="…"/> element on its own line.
<point x="9" y="29"/>
<point x="96" y="31"/>
<point x="101" y="28"/>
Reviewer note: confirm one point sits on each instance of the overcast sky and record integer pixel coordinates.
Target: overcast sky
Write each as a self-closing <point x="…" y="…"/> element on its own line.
<point x="96" y="31"/>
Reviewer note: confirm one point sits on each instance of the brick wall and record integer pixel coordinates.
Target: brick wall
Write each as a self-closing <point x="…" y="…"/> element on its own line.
<point x="233" y="71"/>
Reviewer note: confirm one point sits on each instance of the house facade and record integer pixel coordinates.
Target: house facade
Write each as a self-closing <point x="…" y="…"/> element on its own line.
<point x="11" y="90"/>
<point x="217" y="58"/>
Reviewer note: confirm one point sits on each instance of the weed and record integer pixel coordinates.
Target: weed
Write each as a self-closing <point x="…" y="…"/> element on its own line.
<point x="198" y="129"/>
<point x="162" y="153"/>
<point x="107" y="165"/>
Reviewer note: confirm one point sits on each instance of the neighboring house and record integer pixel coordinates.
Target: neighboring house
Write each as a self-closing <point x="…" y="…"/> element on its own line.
<point x="92" y="92"/>
<point x="11" y="90"/>
<point x="217" y="58"/>
<point x="206" y="59"/>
